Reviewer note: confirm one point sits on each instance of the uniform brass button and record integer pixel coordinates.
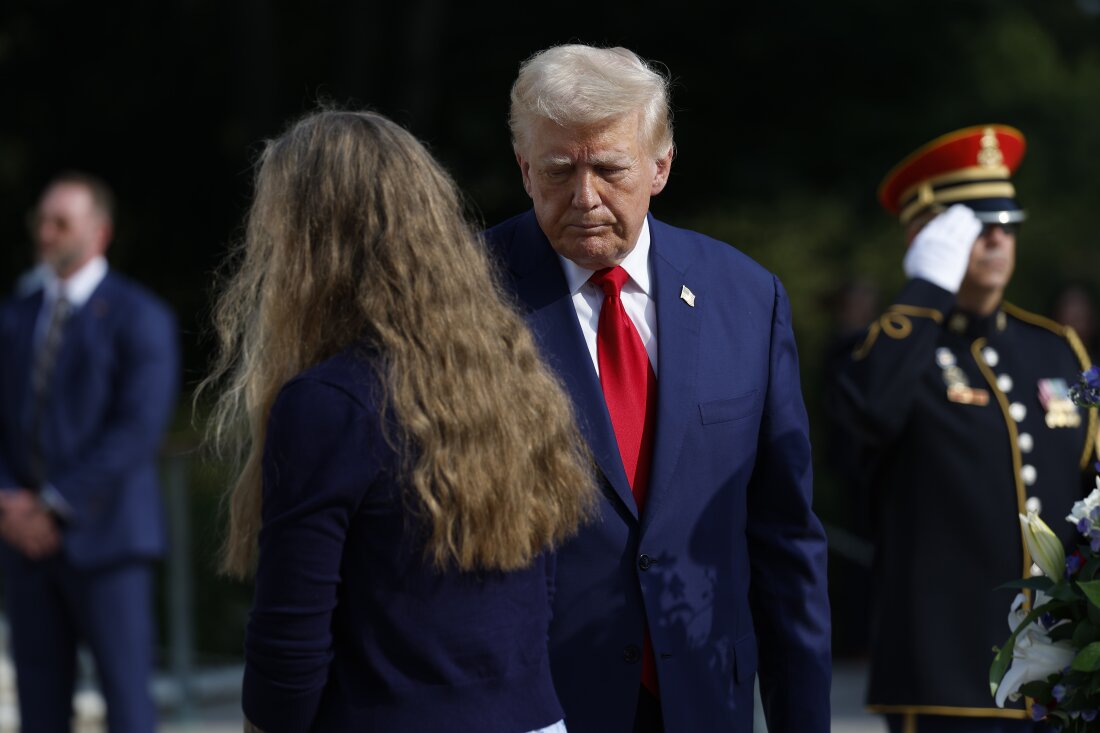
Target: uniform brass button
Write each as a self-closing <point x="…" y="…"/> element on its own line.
<point x="1026" y="442"/>
<point x="1004" y="383"/>
<point x="631" y="654"/>
<point x="1033" y="504"/>
<point x="1018" y="411"/>
<point x="644" y="562"/>
<point x="1028" y="474"/>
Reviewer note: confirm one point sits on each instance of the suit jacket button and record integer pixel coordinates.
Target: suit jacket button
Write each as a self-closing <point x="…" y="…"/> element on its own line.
<point x="631" y="654"/>
<point x="644" y="562"/>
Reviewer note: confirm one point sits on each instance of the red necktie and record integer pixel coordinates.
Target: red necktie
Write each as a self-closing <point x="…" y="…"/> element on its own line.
<point x="630" y="390"/>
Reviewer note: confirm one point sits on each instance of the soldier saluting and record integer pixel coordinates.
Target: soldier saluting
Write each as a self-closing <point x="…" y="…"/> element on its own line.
<point x="959" y="403"/>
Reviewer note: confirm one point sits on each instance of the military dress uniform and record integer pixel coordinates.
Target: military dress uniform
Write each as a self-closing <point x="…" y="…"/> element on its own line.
<point x="965" y="422"/>
<point x="968" y="423"/>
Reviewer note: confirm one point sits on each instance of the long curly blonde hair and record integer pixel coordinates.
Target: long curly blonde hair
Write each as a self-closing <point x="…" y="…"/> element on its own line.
<point x="356" y="234"/>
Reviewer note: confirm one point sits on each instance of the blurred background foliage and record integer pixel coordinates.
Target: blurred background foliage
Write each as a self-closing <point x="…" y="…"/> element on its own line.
<point x="787" y="117"/>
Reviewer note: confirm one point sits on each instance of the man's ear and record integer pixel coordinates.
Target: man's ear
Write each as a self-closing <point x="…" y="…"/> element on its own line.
<point x="105" y="233"/>
<point x="664" y="166"/>
<point x="525" y="171"/>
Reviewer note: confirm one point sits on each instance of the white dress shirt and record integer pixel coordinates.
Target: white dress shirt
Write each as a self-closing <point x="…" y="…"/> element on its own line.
<point x="558" y="727"/>
<point x="77" y="289"/>
<point x="637" y="297"/>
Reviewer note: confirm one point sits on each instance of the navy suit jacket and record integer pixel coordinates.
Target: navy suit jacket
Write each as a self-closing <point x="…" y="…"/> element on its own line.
<point x="727" y="563"/>
<point x="114" y="387"/>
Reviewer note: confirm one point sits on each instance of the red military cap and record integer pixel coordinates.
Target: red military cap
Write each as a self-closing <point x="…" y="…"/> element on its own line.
<point x="972" y="166"/>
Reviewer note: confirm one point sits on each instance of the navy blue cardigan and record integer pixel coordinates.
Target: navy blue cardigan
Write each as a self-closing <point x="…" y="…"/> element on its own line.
<point x="351" y="629"/>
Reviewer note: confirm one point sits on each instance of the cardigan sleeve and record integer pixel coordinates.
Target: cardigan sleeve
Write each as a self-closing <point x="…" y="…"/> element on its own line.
<point x="318" y="462"/>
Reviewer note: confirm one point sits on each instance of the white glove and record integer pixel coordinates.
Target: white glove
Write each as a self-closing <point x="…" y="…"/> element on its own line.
<point x="940" y="253"/>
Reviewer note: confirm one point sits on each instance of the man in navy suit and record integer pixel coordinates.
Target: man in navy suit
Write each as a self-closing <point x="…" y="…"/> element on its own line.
<point x="88" y="382"/>
<point x="706" y="564"/>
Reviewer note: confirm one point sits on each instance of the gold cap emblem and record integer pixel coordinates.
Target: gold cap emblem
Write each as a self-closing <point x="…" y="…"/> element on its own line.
<point x="990" y="155"/>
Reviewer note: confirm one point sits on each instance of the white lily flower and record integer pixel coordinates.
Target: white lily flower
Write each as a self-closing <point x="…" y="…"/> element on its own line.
<point x="1034" y="656"/>
<point x="1045" y="547"/>
<point x="1083" y="509"/>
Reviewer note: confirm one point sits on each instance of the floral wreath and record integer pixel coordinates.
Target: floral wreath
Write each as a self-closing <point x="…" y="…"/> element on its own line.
<point x="1053" y="653"/>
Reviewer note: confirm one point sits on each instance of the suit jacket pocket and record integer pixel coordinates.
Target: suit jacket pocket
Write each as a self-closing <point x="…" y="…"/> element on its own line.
<point x="725" y="410"/>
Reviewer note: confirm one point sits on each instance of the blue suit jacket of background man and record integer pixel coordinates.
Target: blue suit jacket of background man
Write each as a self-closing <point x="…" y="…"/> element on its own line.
<point x="114" y="387"/>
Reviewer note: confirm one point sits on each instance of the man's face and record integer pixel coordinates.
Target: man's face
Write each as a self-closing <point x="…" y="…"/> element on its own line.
<point x="591" y="187"/>
<point x="68" y="229"/>
<point x="993" y="258"/>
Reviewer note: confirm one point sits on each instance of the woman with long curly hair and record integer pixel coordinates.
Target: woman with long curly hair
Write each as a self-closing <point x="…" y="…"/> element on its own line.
<point x="408" y="463"/>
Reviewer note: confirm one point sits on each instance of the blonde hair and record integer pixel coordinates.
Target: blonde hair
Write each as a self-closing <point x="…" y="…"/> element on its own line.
<point x="575" y="84"/>
<point x="356" y="234"/>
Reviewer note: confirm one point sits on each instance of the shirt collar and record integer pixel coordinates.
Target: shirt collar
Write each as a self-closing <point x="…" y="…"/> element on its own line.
<point x="636" y="265"/>
<point x="79" y="286"/>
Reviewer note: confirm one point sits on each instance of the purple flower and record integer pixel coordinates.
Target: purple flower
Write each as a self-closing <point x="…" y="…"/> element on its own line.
<point x="1038" y="712"/>
<point x="1084" y="525"/>
<point x="1073" y="564"/>
<point x="1092" y="377"/>
<point x="1088" y="715"/>
<point x="1086" y="392"/>
<point x="1058" y="692"/>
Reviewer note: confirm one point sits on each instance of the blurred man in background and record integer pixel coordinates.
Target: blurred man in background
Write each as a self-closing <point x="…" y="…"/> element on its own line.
<point x="1074" y="307"/>
<point x="959" y="403"/>
<point x="88" y="381"/>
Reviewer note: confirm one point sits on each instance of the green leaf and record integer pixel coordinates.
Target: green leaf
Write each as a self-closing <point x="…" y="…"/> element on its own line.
<point x="1000" y="664"/>
<point x="1077" y="613"/>
<point x="1059" y="715"/>
<point x="1091" y="589"/>
<point x="1063" y="592"/>
<point x="1037" y="689"/>
<point x="1084" y="633"/>
<point x="1088" y="570"/>
<point x="1088" y="659"/>
<point x="1039" y="582"/>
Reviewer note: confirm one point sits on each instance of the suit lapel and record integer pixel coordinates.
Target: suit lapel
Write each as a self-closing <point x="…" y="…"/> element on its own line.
<point x="24" y="357"/>
<point x="677" y="355"/>
<point x="26" y="322"/>
<point x="81" y="336"/>
<point x="540" y="285"/>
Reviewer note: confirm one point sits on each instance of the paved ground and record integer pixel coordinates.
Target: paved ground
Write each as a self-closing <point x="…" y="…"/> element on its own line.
<point x="848" y="714"/>
<point x="849" y="682"/>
